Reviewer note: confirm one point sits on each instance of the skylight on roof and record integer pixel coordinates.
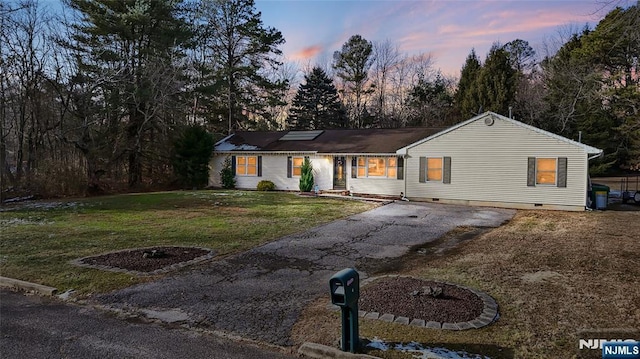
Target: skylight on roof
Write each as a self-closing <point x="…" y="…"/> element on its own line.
<point x="301" y="135"/>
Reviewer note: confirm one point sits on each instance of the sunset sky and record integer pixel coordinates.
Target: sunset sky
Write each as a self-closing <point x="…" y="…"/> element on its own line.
<point x="446" y="29"/>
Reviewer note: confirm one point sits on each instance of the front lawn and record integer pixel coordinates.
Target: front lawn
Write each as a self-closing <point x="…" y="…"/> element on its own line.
<point x="557" y="276"/>
<point x="39" y="239"/>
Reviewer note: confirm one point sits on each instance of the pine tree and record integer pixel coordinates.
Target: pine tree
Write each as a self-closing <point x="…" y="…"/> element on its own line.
<point x="193" y="150"/>
<point x="128" y="51"/>
<point x="352" y="64"/>
<point x="496" y="82"/>
<point x="316" y="105"/>
<point x="239" y="51"/>
<point x="466" y="96"/>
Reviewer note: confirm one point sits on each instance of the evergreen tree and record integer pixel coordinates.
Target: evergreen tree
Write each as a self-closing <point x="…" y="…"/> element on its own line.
<point x="128" y="51"/>
<point x="306" y="176"/>
<point x="352" y="64"/>
<point x="193" y="151"/>
<point x="316" y="105"/>
<point x="239" y="50"/>
<point x="466" y="96"/>
<point x="431" y="102"/>
<point x="496" y="82"/>
<point x="593" y="88"/>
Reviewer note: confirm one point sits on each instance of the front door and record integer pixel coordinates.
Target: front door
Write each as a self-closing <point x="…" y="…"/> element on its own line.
<point x="339" y="176"/>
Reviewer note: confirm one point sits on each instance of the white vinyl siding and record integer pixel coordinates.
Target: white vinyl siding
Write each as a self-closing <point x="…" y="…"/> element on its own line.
<point x="274" y="169"/>
<point x="490" y="164"/>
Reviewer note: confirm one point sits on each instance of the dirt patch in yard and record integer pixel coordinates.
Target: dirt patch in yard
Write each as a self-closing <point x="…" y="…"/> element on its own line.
<point x="146" y="260"/>
<point x="554" y="275"/>
<point x="412" y="298"/>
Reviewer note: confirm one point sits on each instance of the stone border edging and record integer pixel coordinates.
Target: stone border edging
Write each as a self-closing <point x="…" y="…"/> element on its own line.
<point x="488" y="315"/>
<point x="169" y="268"/>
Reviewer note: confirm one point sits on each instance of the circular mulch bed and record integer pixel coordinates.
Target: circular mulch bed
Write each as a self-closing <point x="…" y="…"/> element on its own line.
<point x="407" y="297"/>
<point x="150" y="260"/>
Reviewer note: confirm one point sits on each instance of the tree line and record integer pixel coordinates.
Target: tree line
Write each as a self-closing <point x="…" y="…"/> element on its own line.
<point x="106" y="96"/>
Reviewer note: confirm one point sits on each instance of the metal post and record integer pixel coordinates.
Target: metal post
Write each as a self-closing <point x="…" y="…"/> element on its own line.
<point x="350" y="330"/>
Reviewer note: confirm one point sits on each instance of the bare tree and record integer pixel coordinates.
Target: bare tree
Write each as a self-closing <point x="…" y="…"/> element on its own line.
<point x="386" y="56"/>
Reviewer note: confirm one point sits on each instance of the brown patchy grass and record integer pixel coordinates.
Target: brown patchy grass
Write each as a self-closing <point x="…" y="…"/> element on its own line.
<point x="554" y="274"/>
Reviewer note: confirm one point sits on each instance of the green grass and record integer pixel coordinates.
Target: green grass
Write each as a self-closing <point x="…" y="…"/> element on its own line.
<point x="37" y="243"/>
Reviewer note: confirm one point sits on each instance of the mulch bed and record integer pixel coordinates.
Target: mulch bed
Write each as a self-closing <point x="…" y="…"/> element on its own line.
<point x="145" y="259"/>
<point x="402" y="296"/>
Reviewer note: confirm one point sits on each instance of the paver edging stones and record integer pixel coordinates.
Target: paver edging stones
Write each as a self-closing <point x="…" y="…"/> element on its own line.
<point x="488" y="315"/>
<point x="172" y="267"/>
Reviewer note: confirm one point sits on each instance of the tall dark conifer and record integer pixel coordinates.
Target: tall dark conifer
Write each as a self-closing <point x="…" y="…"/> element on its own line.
<point x="316" y="105"/>
<point x="466" y="95"/>
<point x="239" y="53"/>
<point x="497" y="81"/>
<point x="128" y="51"/>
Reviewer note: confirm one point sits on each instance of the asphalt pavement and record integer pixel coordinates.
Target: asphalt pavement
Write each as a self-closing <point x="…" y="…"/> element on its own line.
<point x="259" y="294"/>
<point x="45" y="327"/>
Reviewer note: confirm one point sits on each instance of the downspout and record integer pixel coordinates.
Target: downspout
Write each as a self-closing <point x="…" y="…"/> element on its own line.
<point x="404" y="177"/>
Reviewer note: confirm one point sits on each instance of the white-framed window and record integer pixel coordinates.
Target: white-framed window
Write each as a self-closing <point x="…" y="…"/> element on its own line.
<point x="247" y="166"/>
<point x="546" y="171"/>
<point x="376" y="167"/>
<point x="434" y="169"/>
<point x="296" y="166"/>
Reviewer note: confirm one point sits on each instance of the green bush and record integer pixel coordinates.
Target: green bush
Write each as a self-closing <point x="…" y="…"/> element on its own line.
<point x="227" y="177"/>
<point x="266" y="186"/>
<point x="192" y="153"/>
<point x="306" y="177"/>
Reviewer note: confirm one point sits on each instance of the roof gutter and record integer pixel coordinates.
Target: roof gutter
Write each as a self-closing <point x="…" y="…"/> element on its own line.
<point x="600" y="154"/>
<point x="240" y="152"/>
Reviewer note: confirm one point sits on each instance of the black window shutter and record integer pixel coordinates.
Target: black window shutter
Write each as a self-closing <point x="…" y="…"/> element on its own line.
<point x="259" y="166"/>
<point x="354" y="167"/>
<point x="446" y="170"/>
<point x="400" y="169"/>
<point x="562" y="172"/>
<point x="289" y="167"/>
<point x="233" y="165"/>
<point x="531" y="172"/>
<point x="423" y="170"/>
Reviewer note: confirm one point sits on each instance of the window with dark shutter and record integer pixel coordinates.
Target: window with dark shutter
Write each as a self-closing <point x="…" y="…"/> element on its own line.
<point x="354" y="167"/>
<point x="562" y="172"/>
<point x="233" y="165"/>
<point x="531" y="172"/>
<point x="289" y="167"/>
<point x="422" y="175"/>
<point x="400" y="173"/>
<point x="446" y="171"/>
<point x="259" y="166"/>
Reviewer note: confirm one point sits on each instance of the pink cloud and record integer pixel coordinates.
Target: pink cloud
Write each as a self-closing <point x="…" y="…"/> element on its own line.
<point x="307" y="52"/>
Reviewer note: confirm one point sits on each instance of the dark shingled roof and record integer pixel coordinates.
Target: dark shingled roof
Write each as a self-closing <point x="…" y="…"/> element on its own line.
<point x="330" y="141"/>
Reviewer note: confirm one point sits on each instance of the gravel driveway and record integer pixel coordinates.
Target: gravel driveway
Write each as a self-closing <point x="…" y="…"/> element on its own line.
<point x="259" y="294"/>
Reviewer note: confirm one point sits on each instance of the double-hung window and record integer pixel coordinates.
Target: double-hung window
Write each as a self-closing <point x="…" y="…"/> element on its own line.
<point x="547" y="171"/>
<point x="435" y="169"/>
<point x="247" y="166"/>
<point x="296" y="166"/>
